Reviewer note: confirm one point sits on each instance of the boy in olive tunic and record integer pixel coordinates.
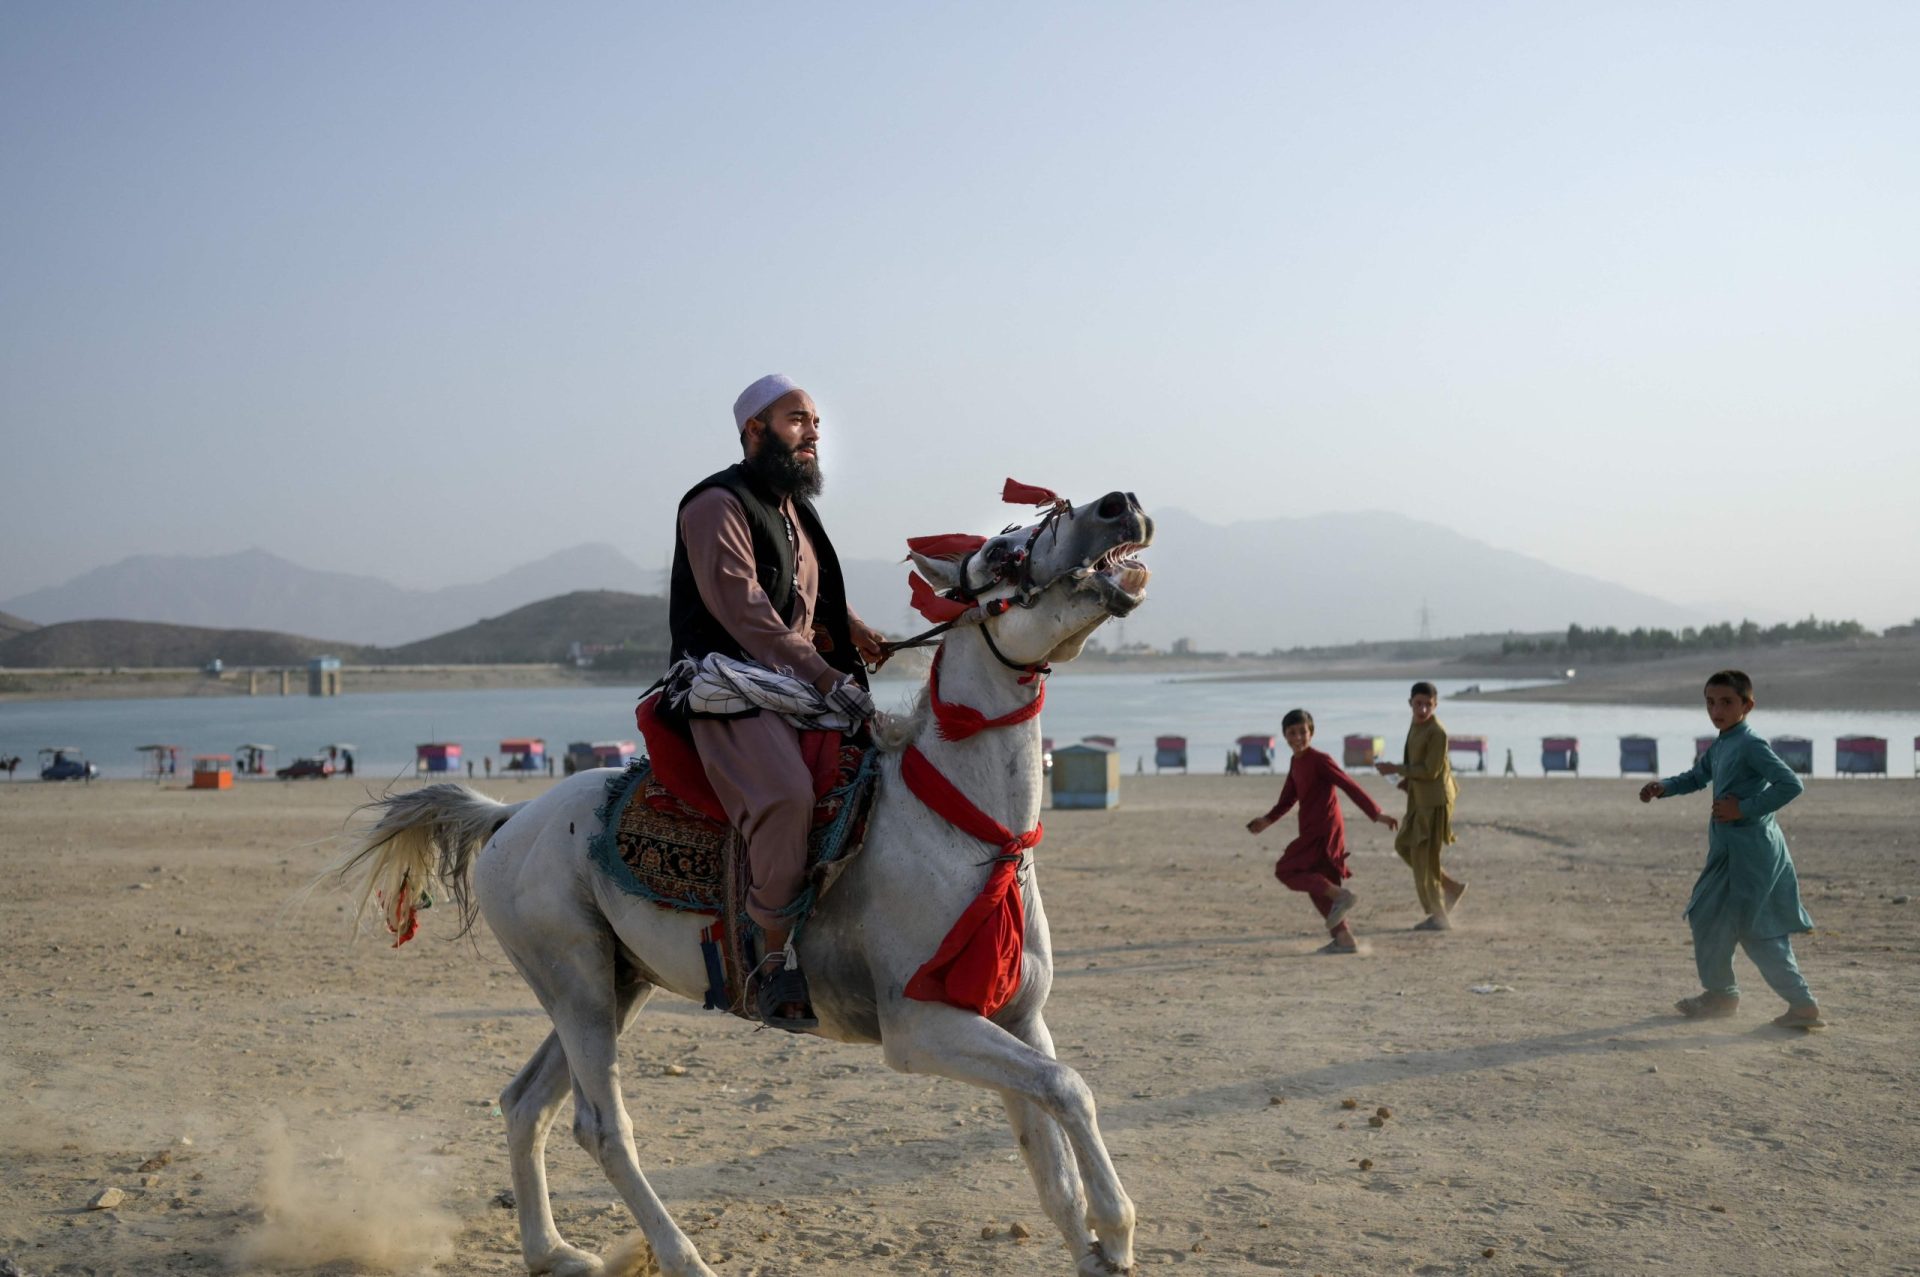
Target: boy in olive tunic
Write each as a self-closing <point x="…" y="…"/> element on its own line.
<point x="1748" y="894"/>
<point x="1427" y="776"/>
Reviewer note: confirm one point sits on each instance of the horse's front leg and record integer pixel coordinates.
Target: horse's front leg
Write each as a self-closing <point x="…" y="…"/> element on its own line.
<point x="928" y="1037"/>
<point x="1050" y="1160"/>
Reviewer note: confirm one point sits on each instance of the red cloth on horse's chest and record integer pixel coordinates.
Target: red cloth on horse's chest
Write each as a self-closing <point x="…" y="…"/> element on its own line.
<point x="676" y="764"/>
<point x="978" y="966"/>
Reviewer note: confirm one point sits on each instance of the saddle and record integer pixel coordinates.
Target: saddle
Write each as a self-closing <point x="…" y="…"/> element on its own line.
<point x="664" y="838"/>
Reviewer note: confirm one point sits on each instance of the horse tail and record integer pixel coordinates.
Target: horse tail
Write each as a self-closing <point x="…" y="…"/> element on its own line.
<point x="417" y="837"/>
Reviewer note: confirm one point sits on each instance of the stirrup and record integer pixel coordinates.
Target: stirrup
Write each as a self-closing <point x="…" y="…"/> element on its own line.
<point x="784" y="987"/>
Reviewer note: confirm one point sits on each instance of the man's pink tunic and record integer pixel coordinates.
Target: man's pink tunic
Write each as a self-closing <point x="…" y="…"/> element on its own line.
<point x="754" y="762"/>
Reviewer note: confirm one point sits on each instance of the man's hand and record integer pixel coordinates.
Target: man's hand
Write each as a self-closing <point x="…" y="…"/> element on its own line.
<point x="1651" y="790"/>
<point x="871" y="643"/>
<point x="1726" y="810"/>
<point x="1402" y="787"/>
<point x="852" y="700"/>
<point x="1391" y="822"/>
<point x="1259" y="824"/>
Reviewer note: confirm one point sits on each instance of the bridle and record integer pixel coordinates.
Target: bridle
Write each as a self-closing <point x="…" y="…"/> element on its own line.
<point x="1017" y="569"/>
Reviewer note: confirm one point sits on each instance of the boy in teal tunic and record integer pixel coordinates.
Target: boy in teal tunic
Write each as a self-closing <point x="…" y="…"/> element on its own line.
<point x="1748" y="893"/>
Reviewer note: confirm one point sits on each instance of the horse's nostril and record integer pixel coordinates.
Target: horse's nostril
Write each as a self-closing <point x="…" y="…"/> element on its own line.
<point x="1112" y="506"/>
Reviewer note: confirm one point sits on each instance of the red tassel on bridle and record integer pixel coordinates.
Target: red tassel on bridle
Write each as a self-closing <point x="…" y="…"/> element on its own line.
<point x="1014" y="492"/>
<point x="927" y="603"/>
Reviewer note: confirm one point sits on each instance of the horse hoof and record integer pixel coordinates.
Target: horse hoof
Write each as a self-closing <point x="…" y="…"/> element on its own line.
<point x="1096" y="1264"/>
<point x="568" y="1261"/>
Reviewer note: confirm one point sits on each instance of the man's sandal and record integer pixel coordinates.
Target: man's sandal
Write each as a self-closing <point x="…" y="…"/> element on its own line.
<point x="782" y="987"/>
<point x="1707" y="1006"/>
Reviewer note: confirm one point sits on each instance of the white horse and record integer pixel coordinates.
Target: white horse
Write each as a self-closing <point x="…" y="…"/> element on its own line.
<point x="594" y="955"/>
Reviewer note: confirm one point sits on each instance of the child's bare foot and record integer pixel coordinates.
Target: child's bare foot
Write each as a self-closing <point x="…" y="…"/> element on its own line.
<point x="1708" y="1006"/>
<point x="1806" y="1017"/>
<point x="1434" y="922"/>
<point x="1337" y="946"/>
<point x="1342" y="906"/>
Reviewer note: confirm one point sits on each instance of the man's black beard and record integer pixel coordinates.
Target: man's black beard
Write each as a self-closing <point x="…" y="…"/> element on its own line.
<point x="776" y="466"/>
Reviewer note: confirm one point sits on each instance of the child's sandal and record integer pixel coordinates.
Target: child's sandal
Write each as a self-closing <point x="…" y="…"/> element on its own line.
<point x="1707" y="1006"/>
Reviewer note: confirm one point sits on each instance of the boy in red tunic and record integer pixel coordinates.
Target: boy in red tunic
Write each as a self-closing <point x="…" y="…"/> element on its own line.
<point x="1316" y="861"/>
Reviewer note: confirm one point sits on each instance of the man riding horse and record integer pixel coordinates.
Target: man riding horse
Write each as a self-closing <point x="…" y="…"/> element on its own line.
<point x="755" y="579"/>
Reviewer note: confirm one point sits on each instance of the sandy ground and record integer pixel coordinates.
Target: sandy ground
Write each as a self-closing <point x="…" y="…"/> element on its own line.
<point x="320" y="1108"/>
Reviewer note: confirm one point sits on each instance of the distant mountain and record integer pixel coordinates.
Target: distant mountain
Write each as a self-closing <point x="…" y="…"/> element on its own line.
<point x="539" y="633"/>
<point x="1250" y="586"/>
<point x="11" y="625"/>
<point x="1335" y="578"/>
<point x="257" y="590"/>
<point x="542" y="632"/>
<point x="145" y="644"/>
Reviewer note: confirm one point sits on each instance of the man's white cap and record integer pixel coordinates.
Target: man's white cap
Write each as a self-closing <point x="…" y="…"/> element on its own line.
<point x="761" y="395"/>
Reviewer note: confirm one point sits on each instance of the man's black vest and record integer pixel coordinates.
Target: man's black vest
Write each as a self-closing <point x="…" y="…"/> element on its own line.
<point x="695" y="631"/>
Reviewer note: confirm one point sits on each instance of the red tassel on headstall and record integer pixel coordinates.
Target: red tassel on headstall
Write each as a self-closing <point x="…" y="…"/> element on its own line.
<point x="931" y="605"/>
<point x="948" y="545"/>
<point x="1018" y="493"/>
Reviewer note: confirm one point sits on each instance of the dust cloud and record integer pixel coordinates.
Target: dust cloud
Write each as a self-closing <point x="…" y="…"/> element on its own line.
<point x="365" y="1200"/>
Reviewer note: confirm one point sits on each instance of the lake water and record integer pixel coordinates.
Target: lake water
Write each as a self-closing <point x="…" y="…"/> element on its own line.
<point x="1132" y="707"/>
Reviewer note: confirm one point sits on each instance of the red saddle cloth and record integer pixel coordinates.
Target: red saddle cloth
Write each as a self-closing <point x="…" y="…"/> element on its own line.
<point x="677" y="766"/>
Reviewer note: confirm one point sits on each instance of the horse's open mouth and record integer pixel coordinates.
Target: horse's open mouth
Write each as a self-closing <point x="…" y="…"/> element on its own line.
<point x="1117" y="577"/>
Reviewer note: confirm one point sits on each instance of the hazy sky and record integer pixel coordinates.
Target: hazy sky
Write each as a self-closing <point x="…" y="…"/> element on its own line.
<point x="426" y="291"/>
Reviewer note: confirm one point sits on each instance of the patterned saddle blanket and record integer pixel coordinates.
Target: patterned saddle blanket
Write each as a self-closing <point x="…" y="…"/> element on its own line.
<point x="653" y="845"/>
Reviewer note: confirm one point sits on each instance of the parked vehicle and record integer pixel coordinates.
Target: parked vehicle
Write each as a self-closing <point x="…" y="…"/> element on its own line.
<point x="66" y="764"/>
<point x="306" y="769"/>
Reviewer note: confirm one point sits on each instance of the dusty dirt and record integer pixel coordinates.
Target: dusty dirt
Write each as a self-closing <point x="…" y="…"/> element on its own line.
<point x="164" y="984"/>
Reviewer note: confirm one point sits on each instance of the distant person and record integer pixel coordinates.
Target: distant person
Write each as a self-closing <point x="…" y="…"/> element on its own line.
<point x="549" y="766"/>
<point x="1427" y="778"/>
<point x="1316" y="862"/>
<point x="488" y="760"/>
<point x="469" y="769"/>
<point x="1510" y="768"/>
<point x="346" y="762"/>
<point x="1748" y="894"/>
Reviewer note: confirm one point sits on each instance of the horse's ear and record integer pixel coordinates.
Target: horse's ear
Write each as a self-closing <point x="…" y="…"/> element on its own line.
<point x="942" y="574"/>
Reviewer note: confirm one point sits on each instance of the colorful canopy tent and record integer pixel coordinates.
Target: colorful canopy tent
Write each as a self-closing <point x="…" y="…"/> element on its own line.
<point x="1474" y="745"/>
<point x="436" y="756"/>
<point x="212" y="771"/>
<point x="1086" y="776"/>
<point x="1560" y="754"/>
<point x="1362" y="751"/>
<point x="524" y="754"/>
<point x="1169" y="751"/>
<point x="1860" y="756"/>
<point x="160" y="760"/>
<point x="1701" y="744"/>
<point x="250" y="759"/>
<point x="1639" y="754"/>
<point x="612" y="753"/>
<point x="1796" y="752"/>
<point x="1255" y="751"/>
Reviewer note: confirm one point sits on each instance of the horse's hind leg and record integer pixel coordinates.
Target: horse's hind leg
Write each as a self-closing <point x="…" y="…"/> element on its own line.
<point x="575" y="984"/>
<point x="531" y="1102"/>
<point x="1049" y="1158"/>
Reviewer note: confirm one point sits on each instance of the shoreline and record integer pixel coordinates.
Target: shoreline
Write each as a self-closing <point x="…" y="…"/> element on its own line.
<point x="1880" y="675"/>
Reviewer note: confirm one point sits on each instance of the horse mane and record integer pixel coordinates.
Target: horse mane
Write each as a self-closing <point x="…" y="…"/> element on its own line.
<point x="894" y="732"/>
